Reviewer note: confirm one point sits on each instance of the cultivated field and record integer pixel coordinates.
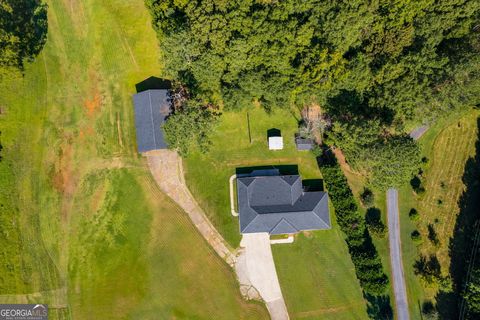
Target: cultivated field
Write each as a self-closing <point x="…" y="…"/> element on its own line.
<point x="316" y="274"/>
<point x="88" y="231"/>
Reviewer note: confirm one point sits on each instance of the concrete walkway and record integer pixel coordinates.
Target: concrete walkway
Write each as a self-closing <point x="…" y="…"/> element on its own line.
<point x="399" y="288"/>
<point x="167" y="170"/>
<point x="261" y="273"/>
<point x="232" y="195"/>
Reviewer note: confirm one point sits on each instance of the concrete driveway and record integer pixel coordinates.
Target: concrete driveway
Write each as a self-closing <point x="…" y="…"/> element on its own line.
<point x="399" y="287"/>
<point x="260" y="270"/>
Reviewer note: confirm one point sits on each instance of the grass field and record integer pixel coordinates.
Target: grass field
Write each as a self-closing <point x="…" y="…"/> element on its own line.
<point x="316" y="274"/>
<point x="448" y="145"/>
<point x="97" y="239"/>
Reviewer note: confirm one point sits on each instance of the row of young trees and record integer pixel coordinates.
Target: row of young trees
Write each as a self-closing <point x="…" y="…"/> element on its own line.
<point x="365" y="258"/>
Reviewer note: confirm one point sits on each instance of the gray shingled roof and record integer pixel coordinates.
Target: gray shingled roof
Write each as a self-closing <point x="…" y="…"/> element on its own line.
<point x="304" y="144"/>
<point x="151" y="109"/>
<point x="278" y="205"/>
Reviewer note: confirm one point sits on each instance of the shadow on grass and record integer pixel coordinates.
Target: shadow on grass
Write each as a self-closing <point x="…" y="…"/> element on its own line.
<point x="449" y="303"/>
<point x="313" y="185"/>
<point x="153" y="83"/>
<point x="288" y="169"/>
<point x="274" y="132"/>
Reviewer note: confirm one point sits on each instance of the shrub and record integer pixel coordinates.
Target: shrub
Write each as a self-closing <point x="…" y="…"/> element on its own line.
<point x="416" y="236"/>
<point x="374" y="222"/>
<point x="432" y="235"/>
<point x="429" y="311"/>
<point x="413" y="214"/>
<point x="367" y="197"/>
<point x="428" y="269"/>
<point x="317" y="150"/>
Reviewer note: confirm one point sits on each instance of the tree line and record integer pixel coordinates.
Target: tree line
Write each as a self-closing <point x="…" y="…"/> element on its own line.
<point x="371" y="65"/>
<point x="365" y="258"/>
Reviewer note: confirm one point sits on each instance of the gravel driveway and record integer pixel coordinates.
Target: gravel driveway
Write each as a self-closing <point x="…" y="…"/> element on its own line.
<point x="399" y="287"/>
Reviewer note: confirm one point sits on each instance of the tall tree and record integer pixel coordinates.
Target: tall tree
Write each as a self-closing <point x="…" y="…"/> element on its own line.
<point x="23" y="31"/>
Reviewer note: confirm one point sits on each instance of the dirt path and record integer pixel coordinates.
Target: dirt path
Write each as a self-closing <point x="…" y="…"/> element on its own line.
<point x="167" y="170"/>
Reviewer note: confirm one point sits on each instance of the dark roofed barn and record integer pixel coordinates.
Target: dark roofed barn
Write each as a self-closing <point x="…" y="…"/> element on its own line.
<point x="279" y="205"/>
<point x="151" y="109"/>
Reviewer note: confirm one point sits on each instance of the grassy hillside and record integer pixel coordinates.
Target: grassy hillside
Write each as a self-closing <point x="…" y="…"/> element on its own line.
<point x="84" y="228"/>
<point x="448" y="145"/>
<point x="316" y="274"/>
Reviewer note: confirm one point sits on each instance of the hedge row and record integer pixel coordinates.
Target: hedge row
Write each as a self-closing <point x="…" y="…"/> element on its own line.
<point x="368" y="265"/>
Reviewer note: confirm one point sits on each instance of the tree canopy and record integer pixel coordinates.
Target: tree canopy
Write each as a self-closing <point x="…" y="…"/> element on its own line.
<point x="371" y="65"/>
<point x="23" y="31"/>
<point x="408" y="56"/>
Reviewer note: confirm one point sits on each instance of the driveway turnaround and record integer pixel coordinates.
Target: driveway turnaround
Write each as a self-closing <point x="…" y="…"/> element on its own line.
<point x="399" y="287"/>
<point x="260" y="270"/>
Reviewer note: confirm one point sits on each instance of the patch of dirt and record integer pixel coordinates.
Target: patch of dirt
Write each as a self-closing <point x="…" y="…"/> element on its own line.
<point x="312" y="112"/>
<point x="62" y="179"/>
<point x="342" y="161"/>
<point x="91" y="106"/>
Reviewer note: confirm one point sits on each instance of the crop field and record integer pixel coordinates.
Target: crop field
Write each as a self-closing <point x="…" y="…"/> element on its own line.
<point x="87" y="231"/>
<point x="316" y="273"/>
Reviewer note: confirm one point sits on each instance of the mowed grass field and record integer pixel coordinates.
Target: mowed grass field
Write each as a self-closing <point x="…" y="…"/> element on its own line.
<point x="316" y="273"/>
<point x="87" y="230"/>
<point x="448" y="145"/>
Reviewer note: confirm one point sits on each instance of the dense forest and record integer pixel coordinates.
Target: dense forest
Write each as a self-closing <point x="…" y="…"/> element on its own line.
<point x="370" y="65"/>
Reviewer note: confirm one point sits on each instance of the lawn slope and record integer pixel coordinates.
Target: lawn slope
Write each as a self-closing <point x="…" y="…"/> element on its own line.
<point x="88" y="231"/>
<point x="316" y="273"/>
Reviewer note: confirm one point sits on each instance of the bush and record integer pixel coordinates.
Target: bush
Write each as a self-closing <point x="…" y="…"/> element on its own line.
<point x="317" y="150"/>
<point x="429" y="311"/>
<point x="367" y="197"/>
<point x="416" y="236"/>
<point x="368" y="266"/>
<point x="374" y="222"/>
<point x="413" y="214"/>
<point x="428" y="269"/>
<point x="432" y="235"/>
<point x="417" y="185"/>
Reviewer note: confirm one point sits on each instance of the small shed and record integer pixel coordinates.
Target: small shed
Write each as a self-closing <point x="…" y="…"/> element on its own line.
<point x="275" y="143"/>
<point x="151" y="107"/>
<point x="304" y="144"/>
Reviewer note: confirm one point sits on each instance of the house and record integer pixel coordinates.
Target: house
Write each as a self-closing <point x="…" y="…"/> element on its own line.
<point x="279" y="205"/>
<point x="151" y="109"/>
<point x="303" y="144"/>
<point x="275" y="143"/>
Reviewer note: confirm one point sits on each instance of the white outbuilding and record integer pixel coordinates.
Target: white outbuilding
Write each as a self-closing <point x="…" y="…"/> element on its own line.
<point x="275" y="143"/>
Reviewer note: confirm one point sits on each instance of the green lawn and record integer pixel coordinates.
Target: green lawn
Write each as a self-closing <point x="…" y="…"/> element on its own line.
<point x="317" y="278"/>
<point x="207" y="174"/>
<point x="97" y="239"/>
<point x="448" y="144"/>
<point x="316" y="274"/>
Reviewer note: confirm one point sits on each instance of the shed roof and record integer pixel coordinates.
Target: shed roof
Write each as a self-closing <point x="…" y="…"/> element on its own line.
<point x="151" y="109"/>
<point x="279" y="205"/>
<point x="304" y="144"/>
<point x="275" y="143"/>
